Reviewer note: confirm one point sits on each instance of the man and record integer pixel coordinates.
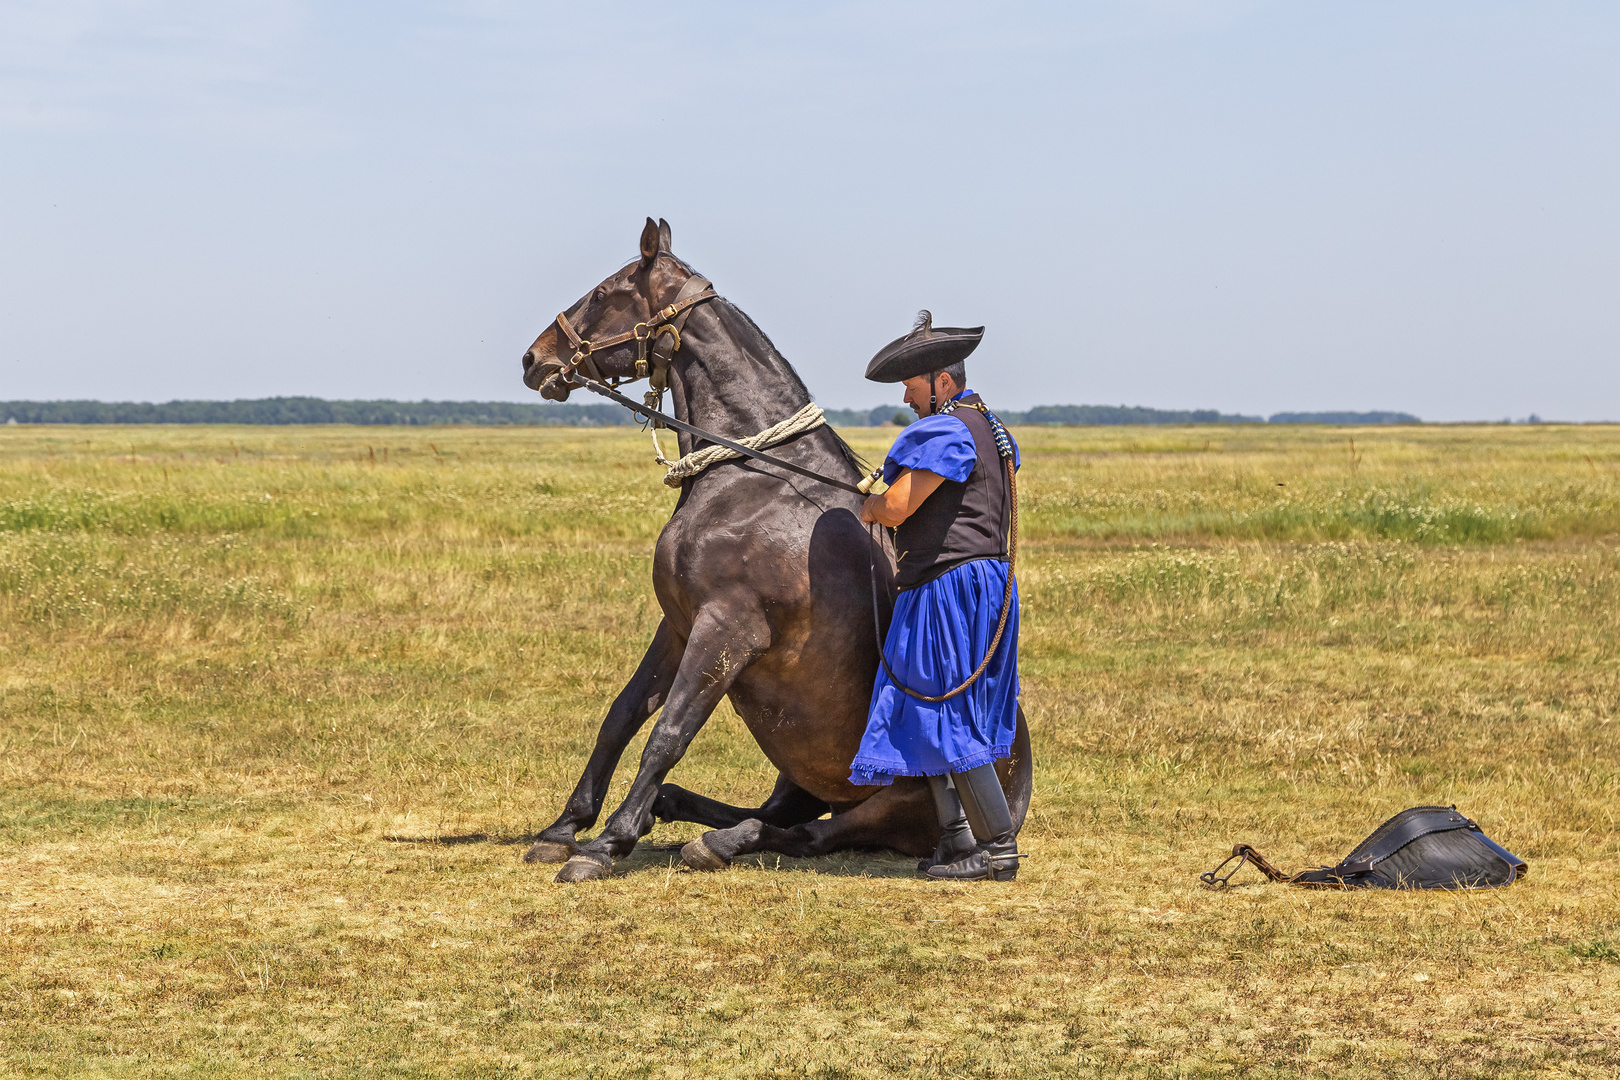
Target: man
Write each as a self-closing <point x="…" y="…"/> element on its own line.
<point x="949" y="503"/>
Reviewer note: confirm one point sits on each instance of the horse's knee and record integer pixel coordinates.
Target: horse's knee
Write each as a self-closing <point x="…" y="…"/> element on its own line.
<point x="667" y="806"/>
<point x="667" y="744"/>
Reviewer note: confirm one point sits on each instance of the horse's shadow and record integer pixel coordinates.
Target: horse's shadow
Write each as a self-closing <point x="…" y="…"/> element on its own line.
<point x="665" y="858"/>
<point x="879" y="863"/>
<point x="456" y="840"/>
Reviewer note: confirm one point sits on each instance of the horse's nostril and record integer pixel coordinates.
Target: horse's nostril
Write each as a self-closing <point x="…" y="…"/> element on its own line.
<point x="528" y="360"/>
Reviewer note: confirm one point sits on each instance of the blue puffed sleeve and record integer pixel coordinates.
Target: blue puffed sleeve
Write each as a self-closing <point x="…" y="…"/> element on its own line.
<point x="940" y="444"/>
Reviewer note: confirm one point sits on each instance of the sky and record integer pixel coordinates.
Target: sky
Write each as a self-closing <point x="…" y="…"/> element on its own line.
<point x="1247" y="206"/>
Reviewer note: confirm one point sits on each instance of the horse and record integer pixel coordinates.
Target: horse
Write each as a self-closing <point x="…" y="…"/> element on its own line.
<point x="764" y="580"/>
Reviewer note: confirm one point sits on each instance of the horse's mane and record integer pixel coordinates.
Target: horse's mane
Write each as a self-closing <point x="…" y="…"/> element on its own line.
<point x="774" y="353"/>
<point x="844" y="448"/>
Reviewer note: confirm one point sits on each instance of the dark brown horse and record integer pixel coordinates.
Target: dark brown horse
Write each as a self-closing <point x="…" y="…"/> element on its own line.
<point x="763" y="580"/>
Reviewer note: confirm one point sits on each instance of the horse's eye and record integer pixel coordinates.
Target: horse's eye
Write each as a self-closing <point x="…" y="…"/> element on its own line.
<point x="601" y="294"/>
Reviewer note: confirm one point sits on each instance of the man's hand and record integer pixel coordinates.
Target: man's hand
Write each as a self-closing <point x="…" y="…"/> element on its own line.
<point x="908" y="492"/>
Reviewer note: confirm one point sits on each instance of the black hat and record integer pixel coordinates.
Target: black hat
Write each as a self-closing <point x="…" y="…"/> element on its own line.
<point x="927" y="348"/>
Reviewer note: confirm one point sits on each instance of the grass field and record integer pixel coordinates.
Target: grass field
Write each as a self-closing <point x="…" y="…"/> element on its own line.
<point x="280" y="708"/>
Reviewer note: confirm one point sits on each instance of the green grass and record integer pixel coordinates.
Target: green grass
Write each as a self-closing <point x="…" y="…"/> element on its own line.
<point x="279" y="709"/>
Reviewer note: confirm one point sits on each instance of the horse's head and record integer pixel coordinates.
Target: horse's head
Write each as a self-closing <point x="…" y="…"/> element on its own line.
<point x="610" y="327"/>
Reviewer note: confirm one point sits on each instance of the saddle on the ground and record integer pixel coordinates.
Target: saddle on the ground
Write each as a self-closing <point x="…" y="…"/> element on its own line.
<point x="1426" y="847"/>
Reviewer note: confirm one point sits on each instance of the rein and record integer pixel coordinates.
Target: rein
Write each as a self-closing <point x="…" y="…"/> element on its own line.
<point x="643" y="409"/>
<point x="649" y="338"/>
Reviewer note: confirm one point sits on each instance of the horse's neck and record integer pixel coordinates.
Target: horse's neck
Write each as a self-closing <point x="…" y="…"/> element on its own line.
<point x="732" y="382"/>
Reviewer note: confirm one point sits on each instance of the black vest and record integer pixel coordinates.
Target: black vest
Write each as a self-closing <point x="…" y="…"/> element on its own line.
<point x="962" y="520"/>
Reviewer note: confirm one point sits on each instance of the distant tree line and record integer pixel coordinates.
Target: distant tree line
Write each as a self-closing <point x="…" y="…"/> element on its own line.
<point x="309" y="410"/>
<point x="899" y="415"/>
<point x="1125" y="414"/>
<point x="1344" y="418"/>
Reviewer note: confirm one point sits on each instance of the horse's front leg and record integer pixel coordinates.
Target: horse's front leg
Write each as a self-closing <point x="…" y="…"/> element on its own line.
<point x="721" y="646"/>
<point x="638" y="700"/>
<point x="788" y="805"/>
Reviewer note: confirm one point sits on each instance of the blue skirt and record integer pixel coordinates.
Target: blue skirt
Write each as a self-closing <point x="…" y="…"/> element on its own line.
<point x="939" y="635"/>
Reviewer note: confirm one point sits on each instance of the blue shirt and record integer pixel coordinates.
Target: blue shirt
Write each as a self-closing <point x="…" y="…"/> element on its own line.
<point x="941" y="444"/>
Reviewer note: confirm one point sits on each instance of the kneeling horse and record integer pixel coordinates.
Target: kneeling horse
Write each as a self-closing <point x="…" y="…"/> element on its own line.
<point x="763" y="573"/>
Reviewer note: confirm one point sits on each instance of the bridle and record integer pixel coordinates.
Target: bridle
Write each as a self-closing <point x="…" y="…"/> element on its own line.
<point x="657" y="340"/>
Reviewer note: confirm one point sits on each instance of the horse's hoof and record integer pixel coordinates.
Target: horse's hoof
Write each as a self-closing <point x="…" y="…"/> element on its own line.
<point x="698" y="856"/>
<point x="584" y="868"/>
<point x="548" y="851"/>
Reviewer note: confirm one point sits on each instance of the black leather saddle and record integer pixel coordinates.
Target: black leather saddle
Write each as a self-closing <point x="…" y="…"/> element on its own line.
<point x="1426" y="847"/>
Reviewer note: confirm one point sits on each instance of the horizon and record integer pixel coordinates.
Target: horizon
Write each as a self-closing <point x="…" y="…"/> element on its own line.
<point x="1365" y="417"/>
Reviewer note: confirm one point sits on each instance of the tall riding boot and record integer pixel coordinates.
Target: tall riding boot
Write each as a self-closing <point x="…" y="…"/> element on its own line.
<point x="996" y="856"/>
<point x="956" y="837"/>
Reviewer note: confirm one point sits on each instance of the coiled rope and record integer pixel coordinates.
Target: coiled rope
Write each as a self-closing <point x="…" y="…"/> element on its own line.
<point x="806" y="419"/>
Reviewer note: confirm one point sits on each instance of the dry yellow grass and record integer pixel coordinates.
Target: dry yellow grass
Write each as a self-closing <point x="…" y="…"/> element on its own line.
<point x="280" y="707"/>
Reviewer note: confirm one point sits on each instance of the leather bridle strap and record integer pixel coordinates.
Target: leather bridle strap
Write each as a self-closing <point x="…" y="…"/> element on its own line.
<point x="664" y="340"/>
<point x="642" y="331"/>
<point x="1241" y="854"/>
<point x="582" y="348"/>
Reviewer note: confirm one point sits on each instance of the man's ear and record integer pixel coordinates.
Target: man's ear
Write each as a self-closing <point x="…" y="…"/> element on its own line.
<point x="663" y="237"/>
<point x="649" y="242"/>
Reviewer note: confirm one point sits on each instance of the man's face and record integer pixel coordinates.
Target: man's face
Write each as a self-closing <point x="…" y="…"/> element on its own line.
<point x="917" y="392"/>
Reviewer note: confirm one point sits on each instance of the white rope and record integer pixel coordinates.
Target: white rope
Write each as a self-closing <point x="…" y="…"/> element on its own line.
<point x="805" y="419"/>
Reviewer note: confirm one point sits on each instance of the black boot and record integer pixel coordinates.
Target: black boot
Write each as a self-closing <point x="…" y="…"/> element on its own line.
<point x="956" y="837"/>
<point x="993" y="862"/>
<point x="995" y="857"/>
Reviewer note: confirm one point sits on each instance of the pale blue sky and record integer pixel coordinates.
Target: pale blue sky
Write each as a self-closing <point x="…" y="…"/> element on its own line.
<point x="1245" y="206"/>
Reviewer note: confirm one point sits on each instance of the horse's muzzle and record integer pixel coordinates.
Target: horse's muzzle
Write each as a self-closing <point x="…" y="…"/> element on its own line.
<point x="544" y="373"/>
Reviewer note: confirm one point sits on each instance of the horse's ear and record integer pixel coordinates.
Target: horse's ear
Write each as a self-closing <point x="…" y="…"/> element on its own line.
<point x="663" y="237"/>
<point x="649" y="242"/>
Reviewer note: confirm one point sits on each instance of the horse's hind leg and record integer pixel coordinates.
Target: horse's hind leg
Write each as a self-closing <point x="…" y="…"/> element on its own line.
<point x="900" y="816"/>
<point x="638" y="700"/>
<point x="788" y="805"/>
